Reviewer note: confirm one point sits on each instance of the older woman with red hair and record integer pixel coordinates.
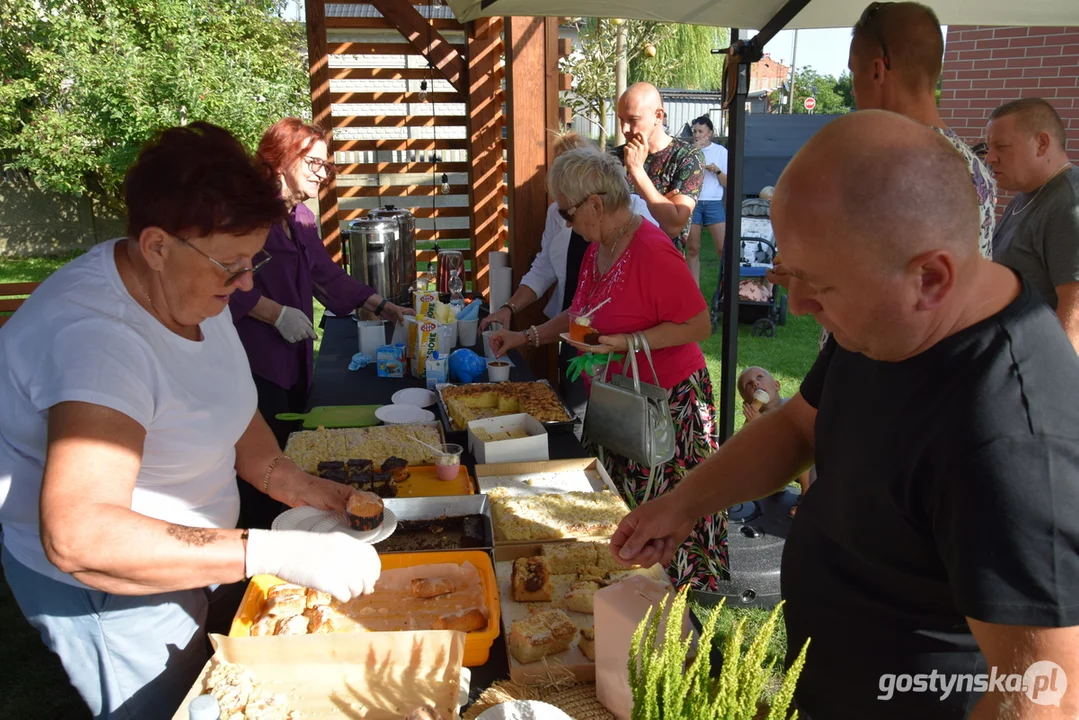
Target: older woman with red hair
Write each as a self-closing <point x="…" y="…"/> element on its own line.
<point x="275" y="317"/>
<point x="130" y="414"/>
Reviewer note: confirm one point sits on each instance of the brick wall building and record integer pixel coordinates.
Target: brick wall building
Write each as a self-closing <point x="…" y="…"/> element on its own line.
<point x="768" y="74"/>
<point x="985" y="67"/>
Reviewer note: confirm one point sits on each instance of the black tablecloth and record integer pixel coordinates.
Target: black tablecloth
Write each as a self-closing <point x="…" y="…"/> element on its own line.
<point x="335" y="384"/>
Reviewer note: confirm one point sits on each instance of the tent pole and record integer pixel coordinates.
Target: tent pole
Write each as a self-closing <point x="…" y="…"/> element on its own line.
<point x="750" y="52"/>
<point x="736" y="143"/>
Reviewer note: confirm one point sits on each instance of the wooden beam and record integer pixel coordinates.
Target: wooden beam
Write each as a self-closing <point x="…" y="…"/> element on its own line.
<point x="18" y="288"/>
<point x="372" y="121"/>
<point x="367" y="73"/>
<point x="398" y="191"/>
<point x="527" y="89"/>
<point x="319" y="76"/>
<point x="415" y="144"/>
<point x="383" y="24"/>
<point x="426" y="39"/>
<point x="451" y="234"/>
<point x="486" y="187"/>
<point x="418" y="212"/>
<point x="553" y="49"/>
<point x="412" y="167"/>
<point x="361" y="96"/>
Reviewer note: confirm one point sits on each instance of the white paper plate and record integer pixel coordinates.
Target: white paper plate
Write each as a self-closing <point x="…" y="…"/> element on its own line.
<point x="415" y="396"/>
<point x="337" y="522"/>
<point x="523" y="710"/>
<point x="592" y="348"/>
<point x="401" y="414"/>
<point x="301" y="518"/>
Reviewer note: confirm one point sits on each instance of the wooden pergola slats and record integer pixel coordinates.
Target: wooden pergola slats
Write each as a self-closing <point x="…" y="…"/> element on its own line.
<point x="475" y="59"/>
<point x="360" y="96"/>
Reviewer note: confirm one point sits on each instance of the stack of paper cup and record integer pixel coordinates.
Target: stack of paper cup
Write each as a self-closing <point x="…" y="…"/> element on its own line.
<point x="501" y="287"/>
<point x="466" y="332"/>
<point x="372" y="337"/>
<point x="445" y="339"/>
<point x="400" y="333"/>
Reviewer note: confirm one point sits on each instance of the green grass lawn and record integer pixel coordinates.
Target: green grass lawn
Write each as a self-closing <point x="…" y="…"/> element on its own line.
<point x="32" y="683"/>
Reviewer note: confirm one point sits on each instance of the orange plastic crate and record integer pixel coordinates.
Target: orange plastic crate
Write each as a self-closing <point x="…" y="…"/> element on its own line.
<point x="477" y="644"/>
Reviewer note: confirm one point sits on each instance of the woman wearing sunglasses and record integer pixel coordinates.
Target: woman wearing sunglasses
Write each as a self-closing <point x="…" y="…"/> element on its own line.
<point x="557" y="265"/>
<point x="275" y="317"/>
<point x="636" y="281"/>
<point x="129" y="415"/>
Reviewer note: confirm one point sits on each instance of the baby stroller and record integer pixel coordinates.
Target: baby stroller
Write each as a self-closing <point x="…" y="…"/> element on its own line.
<point x="759" y="302"/>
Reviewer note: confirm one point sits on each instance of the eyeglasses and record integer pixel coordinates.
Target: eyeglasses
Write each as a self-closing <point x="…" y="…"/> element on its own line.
<point x="866" y="23"/>
<point x="234" y="273"/>
<point x="567" y="215"/>
<point x="315" y="164"/>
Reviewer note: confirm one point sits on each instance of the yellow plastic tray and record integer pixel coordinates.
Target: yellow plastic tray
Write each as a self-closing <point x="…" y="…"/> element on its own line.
<point x="424" y="482"/>
<point x="477" y="644"/>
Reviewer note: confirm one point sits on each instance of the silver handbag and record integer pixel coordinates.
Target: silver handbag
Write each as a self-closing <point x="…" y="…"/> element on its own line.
<point x="630" y="417"/>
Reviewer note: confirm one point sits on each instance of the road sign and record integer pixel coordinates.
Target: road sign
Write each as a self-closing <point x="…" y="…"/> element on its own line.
<point x="810" y="103"/>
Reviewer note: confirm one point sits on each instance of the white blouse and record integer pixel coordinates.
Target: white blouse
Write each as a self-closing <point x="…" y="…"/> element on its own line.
<point x="549" y="267"/>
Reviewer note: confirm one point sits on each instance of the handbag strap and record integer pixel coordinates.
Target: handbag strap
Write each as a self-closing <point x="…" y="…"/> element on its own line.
<point x="643" y="341"/>
<point x="631" y="361"/>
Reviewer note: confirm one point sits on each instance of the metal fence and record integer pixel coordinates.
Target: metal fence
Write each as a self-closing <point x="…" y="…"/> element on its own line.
<point x="682" y="108"/>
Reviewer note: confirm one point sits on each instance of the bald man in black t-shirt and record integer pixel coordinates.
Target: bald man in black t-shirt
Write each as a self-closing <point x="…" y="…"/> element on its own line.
<point x="936" y="559"/>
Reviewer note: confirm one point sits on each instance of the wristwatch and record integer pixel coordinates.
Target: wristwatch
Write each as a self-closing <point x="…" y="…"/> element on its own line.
<point x="381" y="305"/>
<point x="512" y="307"/>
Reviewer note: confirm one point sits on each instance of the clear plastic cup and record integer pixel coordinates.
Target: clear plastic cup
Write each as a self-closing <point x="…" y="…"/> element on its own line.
<point x="448" y="462"/>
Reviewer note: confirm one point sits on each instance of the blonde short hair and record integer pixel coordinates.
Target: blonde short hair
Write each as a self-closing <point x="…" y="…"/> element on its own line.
<point x="566" y="140"/>
<point x="582" y="172"/>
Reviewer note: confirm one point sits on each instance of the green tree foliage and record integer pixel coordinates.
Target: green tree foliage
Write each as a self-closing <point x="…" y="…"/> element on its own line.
<point x="83" y="83"/>
<point x="592" y="63"/>
<point x="845" y="87"/>
<point x="684" y="60"/>
<point x="825" y="89"/>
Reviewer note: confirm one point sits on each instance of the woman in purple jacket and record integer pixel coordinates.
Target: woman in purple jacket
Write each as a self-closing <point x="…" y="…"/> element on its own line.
<point x="275" y="318"/>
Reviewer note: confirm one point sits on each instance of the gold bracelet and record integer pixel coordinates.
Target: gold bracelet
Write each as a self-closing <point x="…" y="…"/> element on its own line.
<point x="266" y="477"/>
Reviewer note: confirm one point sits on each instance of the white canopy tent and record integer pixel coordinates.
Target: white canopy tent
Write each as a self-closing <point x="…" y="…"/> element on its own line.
<point x="769" y="16"/>
<point x="757" y="13"/>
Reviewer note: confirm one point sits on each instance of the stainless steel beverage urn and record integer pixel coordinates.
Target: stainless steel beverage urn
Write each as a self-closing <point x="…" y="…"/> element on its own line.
<point x="402" y="254"/>
<point x="374" y="240"/>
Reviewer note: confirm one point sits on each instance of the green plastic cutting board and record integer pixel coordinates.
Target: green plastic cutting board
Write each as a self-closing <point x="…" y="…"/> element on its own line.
<point x="335" y="416"/>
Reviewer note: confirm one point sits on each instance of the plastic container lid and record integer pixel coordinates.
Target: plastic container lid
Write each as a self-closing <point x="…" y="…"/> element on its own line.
<point x="204" y="707"/>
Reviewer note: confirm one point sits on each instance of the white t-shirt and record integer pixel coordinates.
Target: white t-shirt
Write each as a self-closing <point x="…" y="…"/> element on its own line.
<point x="714" y="154"/>
<point x="82" y="337"/>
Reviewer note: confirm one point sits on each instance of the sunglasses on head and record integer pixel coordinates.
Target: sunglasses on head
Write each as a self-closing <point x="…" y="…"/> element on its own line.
<point x="567" y="215"/>
<point x="865" y="22"/>
<point x="234" y="273"/>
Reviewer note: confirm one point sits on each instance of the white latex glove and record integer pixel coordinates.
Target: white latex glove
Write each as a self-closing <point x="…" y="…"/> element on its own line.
<point x="331" y="562"/>
<point x="294" y="325"/>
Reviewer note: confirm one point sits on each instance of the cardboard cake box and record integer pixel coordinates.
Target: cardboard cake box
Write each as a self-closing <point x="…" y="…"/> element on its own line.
<point x="376" y="676"/>
<point x="528" y="449"/>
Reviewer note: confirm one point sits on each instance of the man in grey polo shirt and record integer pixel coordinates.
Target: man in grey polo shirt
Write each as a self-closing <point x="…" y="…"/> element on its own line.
<point x="1038" y="234"/>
